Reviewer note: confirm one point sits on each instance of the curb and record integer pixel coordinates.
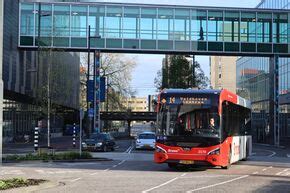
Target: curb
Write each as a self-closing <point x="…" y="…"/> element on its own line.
<point x="59" y="161"/>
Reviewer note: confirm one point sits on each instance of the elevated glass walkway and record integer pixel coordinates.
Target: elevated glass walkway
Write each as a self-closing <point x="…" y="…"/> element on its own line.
<point x="155" y="28"/>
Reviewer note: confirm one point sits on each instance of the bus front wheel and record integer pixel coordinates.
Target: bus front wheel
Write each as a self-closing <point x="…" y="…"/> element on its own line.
<point x="229" y="160"/>
<point x="172" y="165"/>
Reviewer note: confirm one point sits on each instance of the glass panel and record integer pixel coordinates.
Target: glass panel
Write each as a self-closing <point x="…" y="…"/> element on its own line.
<point x="132" y="44"/>
<point x="61" y="21"/>
<point x="26" y="41"/>
<point x="232" y="47"/>
<point x="215" y="46"/>
<point x="231" y="26"/>
<point x="200" y="46"/>
<point x="215" y="26"/>
<point x="131" y="22"/>
<point x="280" y="28"/>
<point x="182" y="45"/>
<point x="27" y="19"/>
<point x="79" y="42"/>
<point x="165" y="24"/>
<point x="79" y="21"/>
<point x="281" y="48"/>
<point x="113" y="28"/>
<point x="264" y="47"/>
<point x="264" y="29"/>
<point x="148" y="44"/>
<point x="198" y="25"/>
<point x="114" y="43"/>
<point x="97" y="43"/>
<point x="165" y="45"/>
<point x="248" y="27"/>
<point x="61" y="42"/>
<point x="96" y="20"/>
<point x="248" y="47"/>
<point x="181" y="25"/>
<point x="148" y="23"/>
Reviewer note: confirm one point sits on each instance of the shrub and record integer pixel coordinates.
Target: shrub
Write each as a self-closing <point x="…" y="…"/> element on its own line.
<point x="18" y="182"/>
<point x="47" y="157"/>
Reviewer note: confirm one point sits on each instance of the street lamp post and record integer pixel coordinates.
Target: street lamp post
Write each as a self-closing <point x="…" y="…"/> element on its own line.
<point x="48" y="71"/>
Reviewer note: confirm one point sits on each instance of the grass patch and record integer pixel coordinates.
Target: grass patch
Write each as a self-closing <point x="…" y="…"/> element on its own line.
<point x="48" y="157"/>
<point x="19" y="182"/>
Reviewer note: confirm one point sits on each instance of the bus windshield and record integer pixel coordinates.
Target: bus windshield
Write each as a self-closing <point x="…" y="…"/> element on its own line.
<point x="188" y="120"/>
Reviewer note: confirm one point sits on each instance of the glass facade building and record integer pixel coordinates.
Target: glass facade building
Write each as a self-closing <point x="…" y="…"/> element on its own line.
<point x="25" y="73"/>
<point x="154" y="28"/>
<point x="253" y="82"/>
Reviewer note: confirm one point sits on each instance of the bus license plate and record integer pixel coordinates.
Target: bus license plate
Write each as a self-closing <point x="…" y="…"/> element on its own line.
<point x="186" y="162"/>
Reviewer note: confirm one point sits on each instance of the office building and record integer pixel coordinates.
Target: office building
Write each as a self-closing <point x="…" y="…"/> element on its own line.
<point x="25" y="76"/>
<point x="254" y="80"/>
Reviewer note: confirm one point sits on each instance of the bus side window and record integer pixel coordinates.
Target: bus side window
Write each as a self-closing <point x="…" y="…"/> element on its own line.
<point x="225" y="121"/>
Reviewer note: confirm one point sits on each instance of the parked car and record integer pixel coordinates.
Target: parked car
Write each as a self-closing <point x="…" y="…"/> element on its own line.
<point x="99" y="142"/>
<point x="146" y="140"/>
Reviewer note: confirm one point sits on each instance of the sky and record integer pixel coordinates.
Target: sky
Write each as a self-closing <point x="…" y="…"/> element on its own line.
<point x="148" y="65"/>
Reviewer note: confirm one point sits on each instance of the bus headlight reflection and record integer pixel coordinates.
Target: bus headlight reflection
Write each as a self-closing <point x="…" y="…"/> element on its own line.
<point x="214" y="152"/>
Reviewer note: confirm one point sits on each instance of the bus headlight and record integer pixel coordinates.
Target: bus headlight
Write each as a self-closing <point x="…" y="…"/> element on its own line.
<point x="160" y="149"/>
<point x="214" y="152"/>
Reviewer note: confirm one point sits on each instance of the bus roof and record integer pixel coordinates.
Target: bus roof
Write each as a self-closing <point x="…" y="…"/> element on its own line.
<point x="190" y="91"/>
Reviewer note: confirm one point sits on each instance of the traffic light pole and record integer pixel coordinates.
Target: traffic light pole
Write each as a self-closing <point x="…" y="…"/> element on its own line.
<point x="97" y="91"/>
<point x="274" y="100"/>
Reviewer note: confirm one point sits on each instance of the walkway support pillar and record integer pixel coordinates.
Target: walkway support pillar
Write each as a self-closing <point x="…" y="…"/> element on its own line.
<point x="274" y="100"/>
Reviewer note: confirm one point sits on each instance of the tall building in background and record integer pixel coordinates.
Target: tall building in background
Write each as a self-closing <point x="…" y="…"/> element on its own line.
<point x="223" y="73"/>
<point x="253" y="82"/>
<point x="25" y="74"/>
<point x="136" y="104"/>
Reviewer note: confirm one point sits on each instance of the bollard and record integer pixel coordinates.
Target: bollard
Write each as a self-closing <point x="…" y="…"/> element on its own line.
<point x="74" y="135"/>
<point x="36" y="138"/>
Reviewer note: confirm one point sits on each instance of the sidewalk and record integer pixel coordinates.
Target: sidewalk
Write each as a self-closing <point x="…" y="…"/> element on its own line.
<point x="58" y="143"/>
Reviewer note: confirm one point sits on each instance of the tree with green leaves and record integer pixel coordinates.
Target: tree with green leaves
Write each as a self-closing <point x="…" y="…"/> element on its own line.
<point x="177" y="72"/>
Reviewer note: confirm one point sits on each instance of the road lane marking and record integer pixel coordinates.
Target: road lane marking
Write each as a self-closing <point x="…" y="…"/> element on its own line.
<point x="121" y="162"/>
<point x="217" y="184"/>
<point x="255" y="172"/>
<point x="209" y="176"/>
<point x="264" y="169"/>
<point x="283" y="173"/>
<point x="128" y="149"/>
<point x="165" y="183"/>
<point x="74" y="180"/>
<point x="273" y="153"/>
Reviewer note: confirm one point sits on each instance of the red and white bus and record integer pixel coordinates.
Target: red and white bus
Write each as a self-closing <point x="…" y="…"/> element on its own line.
<point x="202" y="127"/>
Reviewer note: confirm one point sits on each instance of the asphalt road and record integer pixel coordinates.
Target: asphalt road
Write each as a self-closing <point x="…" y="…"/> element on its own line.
<point x="268" y="170"/>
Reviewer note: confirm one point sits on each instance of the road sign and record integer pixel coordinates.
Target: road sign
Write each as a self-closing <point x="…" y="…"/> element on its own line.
<point x="91" y="112"/>
<point x="102" y="90"/>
